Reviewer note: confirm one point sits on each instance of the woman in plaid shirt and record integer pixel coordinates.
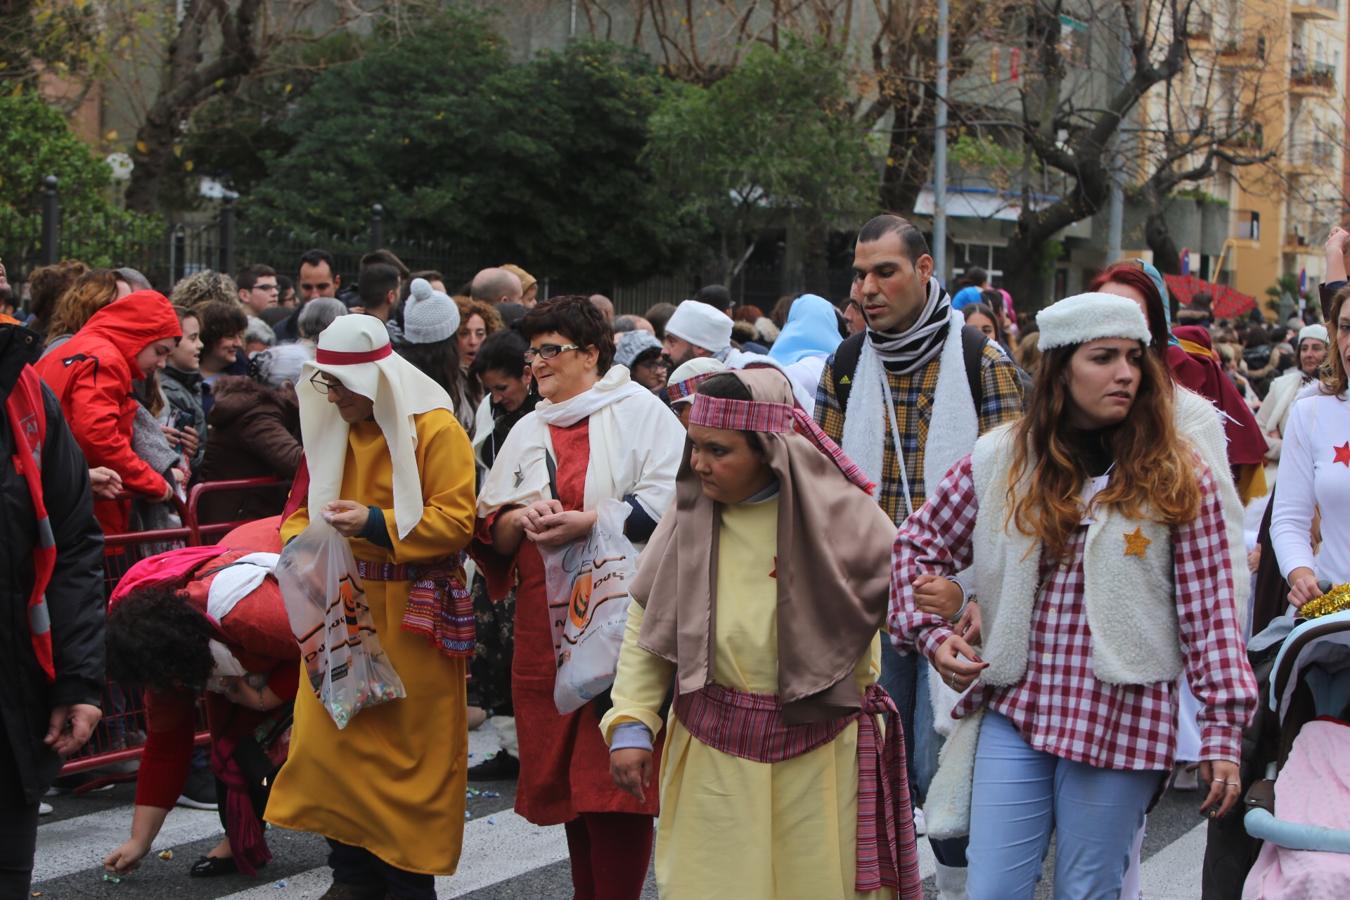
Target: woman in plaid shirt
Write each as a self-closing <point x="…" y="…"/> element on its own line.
<point x="1101" y="565"/>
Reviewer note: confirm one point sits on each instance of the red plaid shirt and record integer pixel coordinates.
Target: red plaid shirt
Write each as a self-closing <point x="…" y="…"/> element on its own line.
<point x="1060" y="706"/>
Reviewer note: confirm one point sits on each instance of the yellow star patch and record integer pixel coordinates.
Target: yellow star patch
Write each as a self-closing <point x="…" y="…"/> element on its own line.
<point x="1136" y="544"/>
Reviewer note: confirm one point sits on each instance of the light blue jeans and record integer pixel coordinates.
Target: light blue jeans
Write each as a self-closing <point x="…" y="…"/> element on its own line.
<point x="1022" y="795"/>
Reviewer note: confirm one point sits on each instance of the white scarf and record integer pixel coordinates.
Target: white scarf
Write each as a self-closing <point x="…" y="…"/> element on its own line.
<point x="635" y="448"/>
<point x="953" y="425"/>
<point x="615" y="386"/>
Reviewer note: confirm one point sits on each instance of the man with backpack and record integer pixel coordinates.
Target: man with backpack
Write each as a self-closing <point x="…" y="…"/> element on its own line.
<point x="906" y="399"/>
<point x="51" y="600"/>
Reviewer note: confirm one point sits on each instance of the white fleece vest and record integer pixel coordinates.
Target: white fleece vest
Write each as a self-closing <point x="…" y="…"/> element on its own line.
<point x="1197" y="420"/>
<point x="1129" y="596"/>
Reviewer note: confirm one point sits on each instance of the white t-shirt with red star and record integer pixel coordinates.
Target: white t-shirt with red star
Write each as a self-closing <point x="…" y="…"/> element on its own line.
<point x="1314" y="474"/>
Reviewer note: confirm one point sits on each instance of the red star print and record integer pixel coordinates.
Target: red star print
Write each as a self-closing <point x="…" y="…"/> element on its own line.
<point x="774" y="573"/>
<point x="1343" y="455"/>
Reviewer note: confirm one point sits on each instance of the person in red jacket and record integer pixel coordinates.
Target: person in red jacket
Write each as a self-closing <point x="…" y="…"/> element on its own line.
<point x="92" y="374"/>
<point x="220" y="629"/>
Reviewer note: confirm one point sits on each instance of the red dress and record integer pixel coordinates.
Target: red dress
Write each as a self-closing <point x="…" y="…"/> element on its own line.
<point x="564" y="762"/>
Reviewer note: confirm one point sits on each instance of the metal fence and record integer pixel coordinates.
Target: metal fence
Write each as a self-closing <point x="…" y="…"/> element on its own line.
<point x="167" y="249"/>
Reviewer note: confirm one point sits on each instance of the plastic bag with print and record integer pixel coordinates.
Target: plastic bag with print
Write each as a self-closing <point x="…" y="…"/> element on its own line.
<point x="347" y="668"/>
<point x="588" y="583"/>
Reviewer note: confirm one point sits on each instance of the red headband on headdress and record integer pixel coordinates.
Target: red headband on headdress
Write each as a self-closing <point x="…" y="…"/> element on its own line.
<point x="343" y="358"/>
<point x="760" y="415"/>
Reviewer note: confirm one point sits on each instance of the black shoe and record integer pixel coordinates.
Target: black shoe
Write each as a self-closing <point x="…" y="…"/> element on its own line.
<point x="501" y="767"/>
<point x="200" y="791"/>
<point x="211" y="866"/>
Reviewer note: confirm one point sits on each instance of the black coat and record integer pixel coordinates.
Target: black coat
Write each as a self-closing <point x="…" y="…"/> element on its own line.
<point x="74" y="597"/>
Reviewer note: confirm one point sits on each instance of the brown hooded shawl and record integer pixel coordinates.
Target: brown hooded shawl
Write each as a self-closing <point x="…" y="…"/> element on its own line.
<point x="834" y="562"/>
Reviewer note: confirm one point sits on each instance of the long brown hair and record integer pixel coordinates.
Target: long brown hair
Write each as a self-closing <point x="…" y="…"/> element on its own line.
<point x="1334" y="380"/>
<point x="94" y="290"/>
<point x="1154" y="471"/>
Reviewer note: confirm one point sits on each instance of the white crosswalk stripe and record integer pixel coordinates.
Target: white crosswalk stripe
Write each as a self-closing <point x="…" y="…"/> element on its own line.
<point x="497" y="848"/>
<point x="502" y="853"/>
<point x="71" y="845"/>
<point x="1174" y="873"/>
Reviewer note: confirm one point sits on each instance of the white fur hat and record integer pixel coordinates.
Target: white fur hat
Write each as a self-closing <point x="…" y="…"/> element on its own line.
<point x="701" y="325"/>
<point x="1314" y="332"/>
<point x="1091" y="317"/>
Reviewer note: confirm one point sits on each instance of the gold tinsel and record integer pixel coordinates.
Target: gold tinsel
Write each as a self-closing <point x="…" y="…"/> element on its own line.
<point x="1335" y="600"/>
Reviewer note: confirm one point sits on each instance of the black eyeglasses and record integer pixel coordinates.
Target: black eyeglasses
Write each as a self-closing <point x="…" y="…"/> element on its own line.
<point x="547" y="351"/>
<point x="323" y="385"/>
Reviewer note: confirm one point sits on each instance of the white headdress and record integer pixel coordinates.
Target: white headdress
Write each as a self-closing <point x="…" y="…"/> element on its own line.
<point x="355" y="350"/>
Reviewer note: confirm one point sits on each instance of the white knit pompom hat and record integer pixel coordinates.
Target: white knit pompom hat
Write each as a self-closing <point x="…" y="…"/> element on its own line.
<point x="429" y="316"/>
<point x="1090" y="317"/>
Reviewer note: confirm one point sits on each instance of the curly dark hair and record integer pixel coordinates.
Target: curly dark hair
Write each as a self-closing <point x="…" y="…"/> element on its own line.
<point x="156" y="640"/>
<point x="577" y="319"/>
<point x="219" y="320"/>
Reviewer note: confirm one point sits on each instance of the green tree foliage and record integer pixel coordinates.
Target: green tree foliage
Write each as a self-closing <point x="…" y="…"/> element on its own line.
<point x="35" y="143"/>
<point x="774" y="139"/>
<point x="233" y="134"/>
<point x="537" y="162"/>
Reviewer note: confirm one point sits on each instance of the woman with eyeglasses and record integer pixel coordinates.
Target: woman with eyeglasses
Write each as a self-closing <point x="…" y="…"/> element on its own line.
<point x="595" y="435"/>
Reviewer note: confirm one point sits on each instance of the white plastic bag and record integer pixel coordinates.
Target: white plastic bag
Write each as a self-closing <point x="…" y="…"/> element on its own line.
<point x="346" y="666"/>
<point x="588" y="583"/>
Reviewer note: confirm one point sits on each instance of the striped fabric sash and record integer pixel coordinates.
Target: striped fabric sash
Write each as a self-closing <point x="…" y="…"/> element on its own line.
<point x="439" y="606"/>
<point x="750" y="726"/>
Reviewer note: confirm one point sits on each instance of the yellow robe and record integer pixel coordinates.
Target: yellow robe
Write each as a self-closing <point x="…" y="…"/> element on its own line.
<point x="393" y="780"/>
<point x="730" y="826"/>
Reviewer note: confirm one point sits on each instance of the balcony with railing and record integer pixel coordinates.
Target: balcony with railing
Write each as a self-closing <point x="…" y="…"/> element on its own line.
<point x="1317" y="78"/>
<point x="1315" y="9"/>
<point x="1297" y="242"/>
<point x="1242" y="51"/>
<point x="1239" y="133"/>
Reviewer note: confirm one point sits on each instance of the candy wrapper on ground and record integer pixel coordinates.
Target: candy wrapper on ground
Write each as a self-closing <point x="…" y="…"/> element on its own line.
<point x="326" y="604"/>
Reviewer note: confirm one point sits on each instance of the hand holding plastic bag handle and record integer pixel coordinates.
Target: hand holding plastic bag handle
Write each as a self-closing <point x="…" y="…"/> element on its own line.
<point x="347" y="667"/>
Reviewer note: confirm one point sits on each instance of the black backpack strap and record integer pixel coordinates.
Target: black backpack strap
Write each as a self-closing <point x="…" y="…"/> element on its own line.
<point x="845" y="365"/>
<point x="972" y="351"/>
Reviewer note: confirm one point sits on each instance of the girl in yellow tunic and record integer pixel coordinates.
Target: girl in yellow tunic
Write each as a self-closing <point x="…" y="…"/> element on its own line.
<point x="391" y="468"/>
<point x="775" y="778"/>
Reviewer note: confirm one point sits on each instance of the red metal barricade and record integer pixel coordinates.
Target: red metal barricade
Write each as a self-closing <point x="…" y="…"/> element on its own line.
<point x="120" y="735"/>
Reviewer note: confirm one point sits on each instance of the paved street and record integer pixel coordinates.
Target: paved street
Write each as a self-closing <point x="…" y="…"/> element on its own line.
<point x="504" y="856"/>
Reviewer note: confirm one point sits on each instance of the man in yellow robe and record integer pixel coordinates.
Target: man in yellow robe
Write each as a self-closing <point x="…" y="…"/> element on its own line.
<point x="390" y="468"/>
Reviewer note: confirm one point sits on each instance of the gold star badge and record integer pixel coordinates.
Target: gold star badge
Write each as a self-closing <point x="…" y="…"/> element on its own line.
<point x="1136" y="544"/>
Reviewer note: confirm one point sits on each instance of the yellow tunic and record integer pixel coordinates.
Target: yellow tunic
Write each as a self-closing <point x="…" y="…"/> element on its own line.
<point x="729" y="826"/>
<point x="393" y="780"/>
